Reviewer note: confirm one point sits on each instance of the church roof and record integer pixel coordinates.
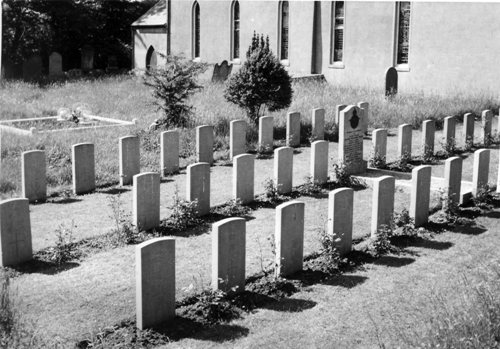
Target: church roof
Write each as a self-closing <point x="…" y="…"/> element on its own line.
<point x="156" y="16"/>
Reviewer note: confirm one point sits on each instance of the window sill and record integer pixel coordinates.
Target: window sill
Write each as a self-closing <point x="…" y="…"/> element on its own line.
<point x="236" y="61"/>
<point x="285" y="62"/>
<point x="337" y="65"/>
<point x="197" y="59"/>
<point x="402" y="68"/>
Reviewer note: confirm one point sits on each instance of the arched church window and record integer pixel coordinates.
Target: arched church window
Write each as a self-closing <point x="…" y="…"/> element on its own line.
<point x="235" y="30"/>
<point x="284" y="20"/>
<point x="196" y="30"/>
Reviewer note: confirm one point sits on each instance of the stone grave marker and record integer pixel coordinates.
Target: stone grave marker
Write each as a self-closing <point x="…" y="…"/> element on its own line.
<point x="351" y="140"/>
<point x="469" y="129"/>
<point x="15" y="232"/>
<point x="319" y="162"/>
<point x="205" y="144"/>
<point x="480" y="171"/>
<point x="266" y="130"/>
<point x="243" y="178"/>
<point x="289" y="237"/>
<point x="428" y="133"/>
<point x="34" y="175"/>
<point x="365" y="108"/>
<point x="498" y="176"/>
<point x="453" y="179"/>
<point x="87" y="58"/>
<point x="221" y="71"/>
<point x="228" y="255"/>
<point x="155" y="282"/>
<point x="382" y="202"/>
<point x="283" y="169"/>
<point x="449" y="131"/>
<point x="130" y="159"/>
<point x="379" y="143"/>
<point x="32" y="68"/>
<point x="55" y="64"/>
<point x="198" y="186"/>
<point x="237" y="137"/>
<point x="338" y="109"/>
<point x="340" y="213"/>
<point x="318" y="124"/>
<point x="391" y="82"/>
<point x="486" y="117"/>
<point x="169" y="157"/>
<point x="83" y="168"/>
<point x="404" y="141"/>
<point x="293" y="129"/>
<point x="146" y="200"/>
<point x="420" y="194"/>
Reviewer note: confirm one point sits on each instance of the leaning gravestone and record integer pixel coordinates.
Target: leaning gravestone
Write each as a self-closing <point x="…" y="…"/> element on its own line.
<point x="55" y="64"/>
<point x="351" y="140"/>
<point x="87" y="58"/>
<point x="15" y="232"/>
<point x="391" y="82"/>
<point x="155" y="282"/>
<point x="221" y="71"/>
<point x="32" y="68"/>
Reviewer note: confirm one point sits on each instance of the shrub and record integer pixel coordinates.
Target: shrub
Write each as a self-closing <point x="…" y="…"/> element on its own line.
<point x="342" y="177"/>
<point x="309" y="188"/>
<point x="124" y="230"/>
<point x="377" y="161"/>
<point x="172" y="85"/>
<point x="262" y="81"/>
<point x="381" y="243"/>
<point x="65" y="249"/>
<point x="232" y="208"/>
<point x="184" y="214"/>
<point x="271" y="193"/>
<point x="484" y="198"/>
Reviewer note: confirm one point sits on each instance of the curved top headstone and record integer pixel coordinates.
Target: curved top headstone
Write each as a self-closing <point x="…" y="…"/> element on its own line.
<point x="391" y="82"/>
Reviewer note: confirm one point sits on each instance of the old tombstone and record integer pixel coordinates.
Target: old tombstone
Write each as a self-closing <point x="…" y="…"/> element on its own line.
<point x="155" y="282"/>
<point x="266" y="130"/>
<point x="404" y="141"/>
<point x="453" y="179"/>
<point x="15" y="232"/>
<point x="221" y="71"/>
<point x="318" y="124"/>
<point x="449" y="131"/>
<point x="205" y="144"/>
<point x="338" y="109"/>
<point x="55" y="64"/>
<point x="351" y="140"/>
<point x="420" y="194"/>
<point x="379" y="143"/>
<point x="169" y="152"/>
<point x="498" y="175"/>
<point x="391" y="82"/>
<point x="32" y="68"/>
<point x="365" y="107"/>
<point x="198" y="186"/>
<point x="243" y="178"/>
<point x="289" y="237"/>
<point x="146" y="200"/>
<point x="293" y="129"/>
<point x="283" y="169"/>
<point x="228" y="255"/>
<point x="319" y="162"/>
<point x="428" y="133"/>
<point x="340" y="213"/>
<point x="87" y="62"/>
<point x="469" y="130"/>
<point x="130" y="160"/>
<point x="486" y="117"/>
<point x="34" y="181"/>
<point x="237" y="137"/>
<point x="83" y="168"/>
<point x="382" y="203"/>
<point x="480" y="170"/>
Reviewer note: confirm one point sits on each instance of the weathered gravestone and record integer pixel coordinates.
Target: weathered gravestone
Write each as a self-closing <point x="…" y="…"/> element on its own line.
<point x="228" y="255"/>
<point x="266" y="136"/>
<point x="480" y="171"/>
<point x="382" y="203"/>
<point x="55" y="64"/>
<point x="404" y="141"/>
<point x="420" y="194"/>
<point x="243" y="178"/>
<point x="130" y="160"/>
<point x="351" y="140"/>
<point x="205" y="144"/>
<point x="283" y="169"/>
<point x="169" y="149"/>
<point x="237" y="137"/>
<point x="83" y="168"/>
<point x="146" y="200"/>
<point x="15" y="232"/>
<point x="318" y="124"/>
<point x="289" y="237"/>
<point x="340" y="211"/>
<point x="452" y="180"/>
<point x="32" y="68"/>
<point x="293" y="129"/>
<point x="221" y="71"/>
<point x="34" y="171"/>
<point x="391" y="82"/>
<point x="198" y="186"/>
<point x="155" y="282"/>
<point x="319" y="162"/>
<point x="87" y="58"/>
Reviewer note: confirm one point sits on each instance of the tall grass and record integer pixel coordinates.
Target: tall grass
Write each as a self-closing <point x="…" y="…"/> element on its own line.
<point x="126" y="97"/>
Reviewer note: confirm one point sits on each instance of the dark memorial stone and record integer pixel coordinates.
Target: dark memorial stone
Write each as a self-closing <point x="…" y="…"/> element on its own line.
<point x="221" y="71"/>
<point x="391" y="82"/>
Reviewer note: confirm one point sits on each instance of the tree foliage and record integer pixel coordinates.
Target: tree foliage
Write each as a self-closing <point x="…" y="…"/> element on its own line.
<point x="261" y="82"/>
<point x="172" y="85"/>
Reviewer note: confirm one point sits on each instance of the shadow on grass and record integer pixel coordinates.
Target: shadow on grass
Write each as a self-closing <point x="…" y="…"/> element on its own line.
<point x="114" y="191"/>
<point x="405" y="241"/>
<point x="393" y="261"/>
<point x="39" y="266"/>
<point x="186" y="328"/>
<point x="470" y="229"/>
<point x="290" y="305"/>
<point x="63" y="200"/>
<point x="492" y="214"/>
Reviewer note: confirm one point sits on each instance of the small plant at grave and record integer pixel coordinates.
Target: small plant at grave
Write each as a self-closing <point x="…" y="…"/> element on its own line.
<point x="484" y="198"/>
<point x="377" y="161"/>
<point x="449" y="147"/>
<point x="271" y="193"/>
<point x="405" y="224"/>
<point x="65" y="248"/>
<point x="342" y="177"/>
<point x="381" y="243"/>
<point x="173" y="84"/>
<point x="232" y="208"/>
<point x="263" y="151"/>
<point x="469" y="144"/>
<point x="450" y="212"/>
<point x="8" y="315"/>
<point x="124" y="230"/>
<point x="261" y="82"/>
<point x="184" y="214"/>
<point x="403" y="163"/>
<point x="329" y="253"/>
<point x="428" y="156"/>
<point x="309" y="187"/>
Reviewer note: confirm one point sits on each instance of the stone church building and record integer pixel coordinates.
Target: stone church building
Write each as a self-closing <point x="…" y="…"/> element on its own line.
<point x="435" y="47"/>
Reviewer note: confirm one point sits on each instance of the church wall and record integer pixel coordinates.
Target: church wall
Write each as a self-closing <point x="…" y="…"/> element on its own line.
<point x="145" y="37"/>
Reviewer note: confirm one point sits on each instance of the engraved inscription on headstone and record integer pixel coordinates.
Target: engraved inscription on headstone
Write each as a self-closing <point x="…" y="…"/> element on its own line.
<point x="351" y="140"/>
